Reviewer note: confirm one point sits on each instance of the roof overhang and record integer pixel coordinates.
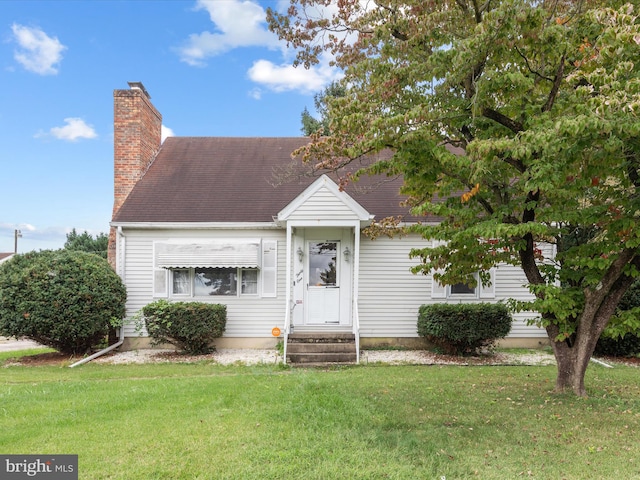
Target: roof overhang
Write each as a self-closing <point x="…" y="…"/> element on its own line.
<point x="197" y="225"/>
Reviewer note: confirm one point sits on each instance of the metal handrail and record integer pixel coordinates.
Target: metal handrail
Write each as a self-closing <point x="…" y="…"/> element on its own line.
<point x="356" y="328"/>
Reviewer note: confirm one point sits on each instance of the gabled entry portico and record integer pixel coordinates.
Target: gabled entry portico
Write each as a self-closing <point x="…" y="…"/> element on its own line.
<point x="323" y="243"/>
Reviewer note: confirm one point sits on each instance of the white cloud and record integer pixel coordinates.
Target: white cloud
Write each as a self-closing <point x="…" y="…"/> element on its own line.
<point x="237" y="24"/>
<point x="286" y="77"/>
<point x="165" y="132"/>
<point x="38" y="53"/>
<point x="255" y="93"/>
<point x="75" y="129"/>
<point x="242" y="23"/>
<point x="11" y="227"/>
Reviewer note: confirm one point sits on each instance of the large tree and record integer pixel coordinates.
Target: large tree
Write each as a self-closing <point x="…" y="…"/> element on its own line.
<point x="85" y="242"/>
<point x="514" y="121"/>
<point x="312" y="125"/>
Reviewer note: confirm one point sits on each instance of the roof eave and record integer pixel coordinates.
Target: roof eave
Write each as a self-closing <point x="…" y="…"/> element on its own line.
<point x="196" y="225"/>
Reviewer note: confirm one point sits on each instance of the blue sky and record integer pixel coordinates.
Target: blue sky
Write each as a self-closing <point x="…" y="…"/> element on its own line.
<point x="212" y="68"/>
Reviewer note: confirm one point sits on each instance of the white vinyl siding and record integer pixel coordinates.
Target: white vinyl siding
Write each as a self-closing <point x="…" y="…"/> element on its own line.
<point x="323" y="205"/>
<point x="247" y="315"/>
<point x="390" y="295"/>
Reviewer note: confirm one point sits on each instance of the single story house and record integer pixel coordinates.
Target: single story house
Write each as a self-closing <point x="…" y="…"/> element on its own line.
<point x="224" y="220"/>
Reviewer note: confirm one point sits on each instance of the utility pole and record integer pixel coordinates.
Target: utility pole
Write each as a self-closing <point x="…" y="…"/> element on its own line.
<point x="16" y="234"/>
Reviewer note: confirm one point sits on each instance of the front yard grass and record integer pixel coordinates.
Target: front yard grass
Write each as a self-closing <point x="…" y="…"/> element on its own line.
<point x="204" y="421"/>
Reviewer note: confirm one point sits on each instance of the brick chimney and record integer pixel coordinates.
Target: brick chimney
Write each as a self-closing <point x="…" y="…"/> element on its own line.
<point x="137" y="129"/>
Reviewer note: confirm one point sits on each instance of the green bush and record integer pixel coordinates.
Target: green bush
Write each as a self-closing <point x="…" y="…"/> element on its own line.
<point x="621" y="340"/>
<point x="463" y="328"/>
<point x="63" y="299"/>
<point x="627" y="346"/>
<point x="190" y="326"/>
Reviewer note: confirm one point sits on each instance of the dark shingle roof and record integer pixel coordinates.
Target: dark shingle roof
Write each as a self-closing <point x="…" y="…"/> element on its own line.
<point x="221" y="179"/>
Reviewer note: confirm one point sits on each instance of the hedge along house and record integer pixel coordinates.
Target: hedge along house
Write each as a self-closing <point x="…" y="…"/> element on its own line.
<point x="218" y="220"/>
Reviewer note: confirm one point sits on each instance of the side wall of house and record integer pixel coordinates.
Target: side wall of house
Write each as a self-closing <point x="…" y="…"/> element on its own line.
<point x="247" y="316"/>
<point x="390" y="295"/>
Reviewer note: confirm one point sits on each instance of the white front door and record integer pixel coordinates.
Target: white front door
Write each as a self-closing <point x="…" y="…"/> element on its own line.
<point x="323" y="282"/>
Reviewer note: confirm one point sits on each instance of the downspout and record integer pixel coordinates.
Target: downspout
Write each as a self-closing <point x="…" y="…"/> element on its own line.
<point x="101" y="352"/>
<point x="120" y="270"/>
<point x="600" y="362"/>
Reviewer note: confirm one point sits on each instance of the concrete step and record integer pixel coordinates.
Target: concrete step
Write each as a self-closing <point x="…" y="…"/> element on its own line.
<point x="322" y="338"/>
<point x="321" y="358"/>
<point x="321" y="348"/>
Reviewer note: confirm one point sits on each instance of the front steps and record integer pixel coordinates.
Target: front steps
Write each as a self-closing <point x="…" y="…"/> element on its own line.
<point x="320" y="349"/>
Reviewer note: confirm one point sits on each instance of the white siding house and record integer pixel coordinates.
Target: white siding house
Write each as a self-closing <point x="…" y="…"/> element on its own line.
<point x="211" y="220"/>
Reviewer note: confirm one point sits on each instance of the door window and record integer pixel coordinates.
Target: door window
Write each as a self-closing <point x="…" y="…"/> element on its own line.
<point x="323" y="264"/>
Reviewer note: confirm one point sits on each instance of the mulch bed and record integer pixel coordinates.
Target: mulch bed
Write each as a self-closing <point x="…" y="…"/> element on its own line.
<point x="43" y="359"/>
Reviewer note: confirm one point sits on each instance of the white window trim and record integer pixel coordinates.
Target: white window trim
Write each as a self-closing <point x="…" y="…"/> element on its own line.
<point x="189" y="294"/>
<point x="481" y="292"/>
<point x="266" y="266"/>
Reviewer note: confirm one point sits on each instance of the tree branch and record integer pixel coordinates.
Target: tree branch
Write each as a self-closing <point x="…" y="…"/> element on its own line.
<point x="527" y="254"/>
<point x="477" y="11"/>
<point x="531" y="70"/>
<point x="466" y="132"/>
<point x="490" y="113"/>
<point x="470" y="80"/>
<point x="632" y="167"/>
<point x="463" y="6"/>
<point x="556" y="86"/>
<point x="517" y="164"/>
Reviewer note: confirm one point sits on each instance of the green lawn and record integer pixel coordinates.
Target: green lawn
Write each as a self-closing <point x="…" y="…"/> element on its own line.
<point x="202" y="421"/>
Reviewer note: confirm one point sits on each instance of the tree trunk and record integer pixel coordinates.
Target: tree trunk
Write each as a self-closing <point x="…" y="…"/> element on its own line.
<point x="574" y="353"/>
<point x="572" y="364"/>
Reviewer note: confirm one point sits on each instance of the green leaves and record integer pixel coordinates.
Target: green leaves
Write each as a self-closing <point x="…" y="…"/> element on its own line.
<point x="190" y="326"/>
<point x="63" y="299"/>
<point x="85" y="242"/>
<point x="464" y="328"/>
<point x="516" y="123"/>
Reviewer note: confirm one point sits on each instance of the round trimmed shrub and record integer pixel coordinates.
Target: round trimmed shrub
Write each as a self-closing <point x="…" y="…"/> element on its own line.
<point x="66" y="300"/>
<point x="463" y="328"/>
<point x="190" y="326"/>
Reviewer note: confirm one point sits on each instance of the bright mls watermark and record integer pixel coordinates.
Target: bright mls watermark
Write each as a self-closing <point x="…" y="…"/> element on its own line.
<point x="48" y="467"/>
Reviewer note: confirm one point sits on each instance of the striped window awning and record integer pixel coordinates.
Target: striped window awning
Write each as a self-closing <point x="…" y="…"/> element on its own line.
<point x="215" y="254"/>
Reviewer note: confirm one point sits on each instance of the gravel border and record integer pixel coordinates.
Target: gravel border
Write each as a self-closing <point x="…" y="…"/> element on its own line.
<point x="270" y="356"/>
